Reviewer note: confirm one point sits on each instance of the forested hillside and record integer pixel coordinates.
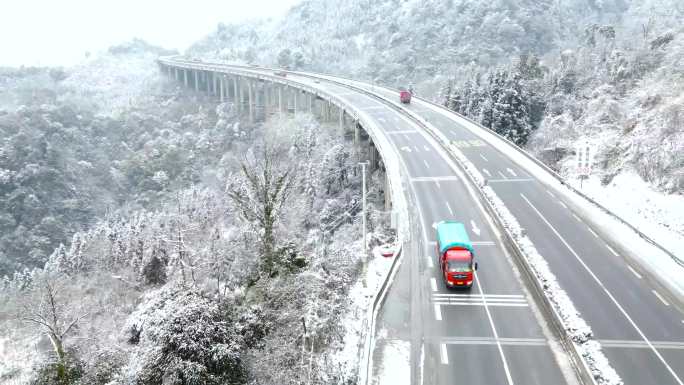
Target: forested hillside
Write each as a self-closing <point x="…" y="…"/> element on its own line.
<point x="164" y="240"/>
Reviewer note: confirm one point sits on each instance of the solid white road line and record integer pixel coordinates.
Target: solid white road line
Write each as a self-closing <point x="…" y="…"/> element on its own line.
<point x="479" y="296"/>
<point x="449" y="207"/>
<point x="510" y="180"/>
<point x="482" y="243"/>
<point x="576" y="217"/>
<point x="592" y="232"/>
<point x="490" y="304"/>
<point x="613" y="251"/>
<point x="483" y="157"/>
<point x="403" y="132"/>
<point x="433" y="284"/>
<point x="443" y="354"/>
<point x="608" y="293"/>
<point x="433" y="178"/>
<point x="634" y="271"/>
<point x="426" y="163"/>
<point x="509" y="379"/>
<point x="438" y="312"/>
<point x="660" y="298"/>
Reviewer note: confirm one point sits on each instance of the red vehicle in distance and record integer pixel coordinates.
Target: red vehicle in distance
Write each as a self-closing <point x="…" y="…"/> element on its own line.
<point x="404" y="96"/>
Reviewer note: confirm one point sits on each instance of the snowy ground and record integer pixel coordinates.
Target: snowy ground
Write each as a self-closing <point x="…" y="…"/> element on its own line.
<point x="396" y="364"/>
<point x="356" y="321"/>
<point x="657" y="215"/>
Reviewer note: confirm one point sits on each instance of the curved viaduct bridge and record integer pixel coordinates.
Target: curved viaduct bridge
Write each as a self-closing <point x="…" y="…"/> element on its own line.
<point x="502" y="333"/>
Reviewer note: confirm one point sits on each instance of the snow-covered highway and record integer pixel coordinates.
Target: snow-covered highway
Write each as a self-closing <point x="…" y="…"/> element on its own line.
<point x="497" y="334"/>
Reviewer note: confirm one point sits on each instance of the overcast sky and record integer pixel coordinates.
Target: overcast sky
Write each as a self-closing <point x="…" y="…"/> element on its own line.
<point x="59" y="32"/>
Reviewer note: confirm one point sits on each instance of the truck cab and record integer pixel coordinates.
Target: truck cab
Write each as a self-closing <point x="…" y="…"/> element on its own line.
<point x="405" y="95"/>
<point x="456" y="255"/>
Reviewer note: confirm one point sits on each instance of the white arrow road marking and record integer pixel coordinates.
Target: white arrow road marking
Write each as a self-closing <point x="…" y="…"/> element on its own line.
<point x="486" y="172"/>
<point x="483" y="157"/>
<point x="476" y="229"/>
<point x="449" y="207"/>
<point x="443" y="354"/>
<point x="406" y="148"/>
<point x="438" y="312"/>
<point x="511" y="172"/>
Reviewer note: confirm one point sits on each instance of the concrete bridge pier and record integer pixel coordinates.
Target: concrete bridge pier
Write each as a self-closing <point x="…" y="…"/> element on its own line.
<point x="196" y="80"/>
<point x="280" y="101"/>
<point x="388" y="198"/>
<point x="222" y="87"/>
<point x="185" y="77"/>
<point x="294" y="99"/>
<point x="250" y="100"/>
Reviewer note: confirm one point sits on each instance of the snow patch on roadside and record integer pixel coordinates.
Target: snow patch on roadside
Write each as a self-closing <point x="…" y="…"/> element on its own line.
<point x="396" y="363"/>
<point x="356" y="321"/>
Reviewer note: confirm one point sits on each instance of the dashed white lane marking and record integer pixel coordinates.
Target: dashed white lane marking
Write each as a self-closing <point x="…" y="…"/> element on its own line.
<point x="660" y="298"/>
<point x="576" y="217"/>
<point x="438" y="312"/>
<point x="634" y="272"/>
<point x="502" y="175"/>
<point x="429" y="262"/>
<point x="449" y="207"/>
<point x="438" y="185"/>
<point x="550" y="193"/>
<point x="563" y="204"/>
<point x="433" y="284"/>
<point x="426" y="163"/>
<point x="426" y="148"/>
<point x="509" y="378"/>
<point x="407" y="137"/>
<point x="483" y="157"/>
<point x="613" y="251"/>
<point x="486" y="172"/>
<point x="511" y="172"/>
<point x="416" y="147"/>
<point x="592" y="232"/>
<point x="608" y="293"/>
<point x="443" y="354"/>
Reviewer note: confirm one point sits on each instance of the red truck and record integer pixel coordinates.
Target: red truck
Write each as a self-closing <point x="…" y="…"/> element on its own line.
<point x="405" y="96"/>
<point x="456" y="255"/>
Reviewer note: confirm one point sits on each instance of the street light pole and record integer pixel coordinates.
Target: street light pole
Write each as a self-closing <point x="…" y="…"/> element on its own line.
<point x="363" y="221"/>
<point x="363" y="197"/>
